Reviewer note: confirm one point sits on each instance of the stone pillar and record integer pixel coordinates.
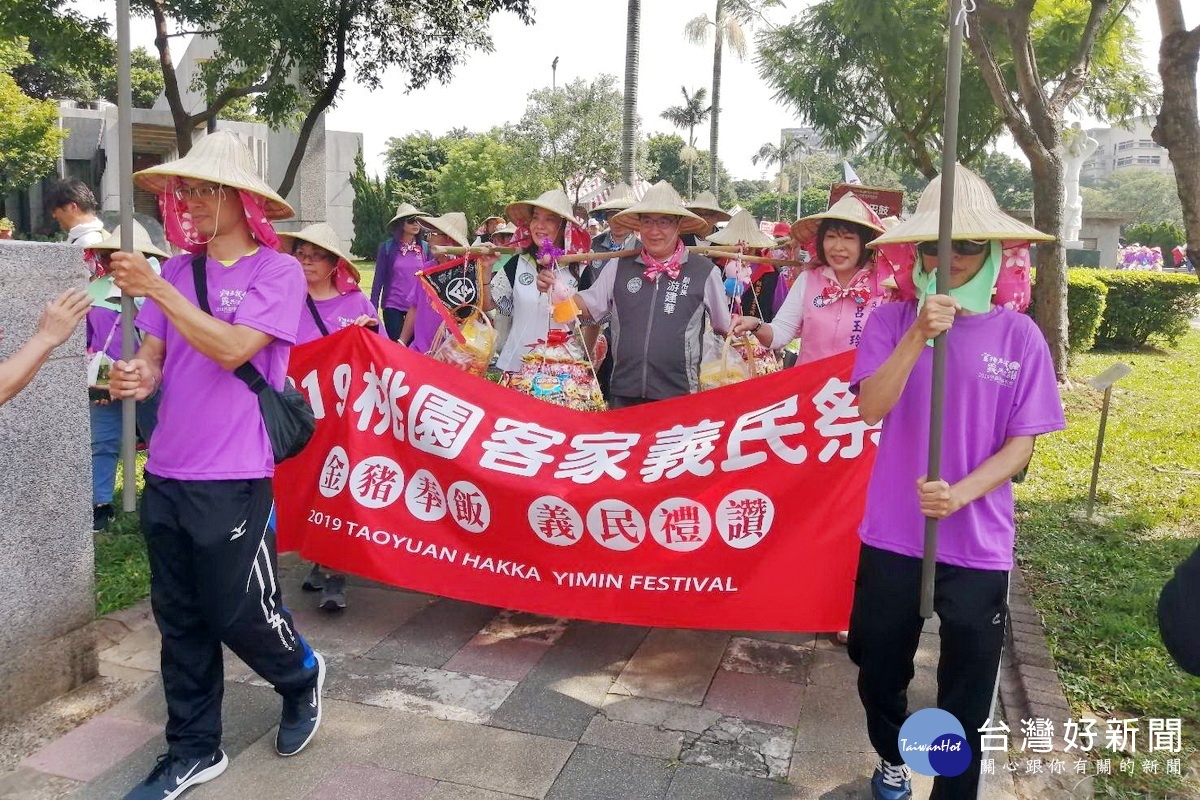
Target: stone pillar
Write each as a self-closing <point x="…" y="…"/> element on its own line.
<point x="47" y="599"/>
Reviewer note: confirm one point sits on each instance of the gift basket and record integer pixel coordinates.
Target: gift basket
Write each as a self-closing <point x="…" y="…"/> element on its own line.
<point x="470" y="347"/>
<point x="722" y="364"/>
<point x="558" y="370"/>
<point x="760" y="359"/>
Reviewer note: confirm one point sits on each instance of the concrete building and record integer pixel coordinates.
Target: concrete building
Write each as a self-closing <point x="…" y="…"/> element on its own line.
<point x="1124" y="148"/>
<point x="321" y="191"/>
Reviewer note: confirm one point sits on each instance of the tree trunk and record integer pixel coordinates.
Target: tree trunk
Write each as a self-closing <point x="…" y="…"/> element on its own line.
<point x="633" y="25"/>
<point x="714" y="119"/>
<point x="1050" y="288"/>
<point x="179" y="115"/>
<point x="1178" y="126"/>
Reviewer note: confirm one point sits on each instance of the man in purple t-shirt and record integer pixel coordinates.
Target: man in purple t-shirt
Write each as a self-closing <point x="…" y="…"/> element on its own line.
<point x="1001" y="393"/>
<point x="208" y="479"/>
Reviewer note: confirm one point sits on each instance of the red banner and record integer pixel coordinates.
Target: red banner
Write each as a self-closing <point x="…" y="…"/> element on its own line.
<point x="736" y="508"/>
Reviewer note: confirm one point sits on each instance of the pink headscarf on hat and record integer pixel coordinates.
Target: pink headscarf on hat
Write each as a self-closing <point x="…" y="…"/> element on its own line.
<point x="181" y="232"/>
<point x="1013" y="288"/>
<point x="575" y="238"/>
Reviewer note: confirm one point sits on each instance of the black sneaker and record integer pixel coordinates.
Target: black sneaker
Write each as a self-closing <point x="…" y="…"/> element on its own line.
<point x="333" y="594"/>
<point x="173" y="775"/>
<point x="301" y="715"/>
<point x="101" y="516"/>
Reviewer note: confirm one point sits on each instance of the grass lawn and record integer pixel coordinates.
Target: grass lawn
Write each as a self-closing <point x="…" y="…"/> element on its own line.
<point x="1096" y="583"/>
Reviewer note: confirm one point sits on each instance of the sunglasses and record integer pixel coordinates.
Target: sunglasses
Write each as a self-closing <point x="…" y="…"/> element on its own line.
<point x="962" y="247"/>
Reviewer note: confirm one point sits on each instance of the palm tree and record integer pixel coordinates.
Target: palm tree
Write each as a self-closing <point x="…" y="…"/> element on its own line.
<point x="728" y="20"/>
<point x="633" y="26"/>
<point x="782" y="154"/>
<point x="692" y="113"/>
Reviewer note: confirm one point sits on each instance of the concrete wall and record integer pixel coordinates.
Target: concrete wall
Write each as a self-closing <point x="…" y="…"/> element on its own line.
<point x="340" y="149"/>
<point x="46" y="558"/>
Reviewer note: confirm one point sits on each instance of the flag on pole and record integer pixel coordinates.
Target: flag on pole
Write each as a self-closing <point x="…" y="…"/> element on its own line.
<point x="849" y="175"/>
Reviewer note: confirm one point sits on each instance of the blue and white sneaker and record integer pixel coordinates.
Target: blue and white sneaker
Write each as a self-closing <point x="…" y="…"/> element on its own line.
<point x="173" y="775"/>
<point x="891" y="782"/>
<point x="301" y="715"/>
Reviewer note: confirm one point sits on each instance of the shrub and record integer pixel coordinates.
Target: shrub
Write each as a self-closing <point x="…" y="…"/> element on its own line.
<point x="1085" y="307"/>
<point x="1146" y="305"/>
<point x="1086" y="301"/>
<point x="374" y="204"/>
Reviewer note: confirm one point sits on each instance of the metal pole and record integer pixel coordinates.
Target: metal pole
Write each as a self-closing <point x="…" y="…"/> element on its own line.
<point x="1091" y="504"/>
<point x="945" y="237"/>
<point x="125" y="170"/>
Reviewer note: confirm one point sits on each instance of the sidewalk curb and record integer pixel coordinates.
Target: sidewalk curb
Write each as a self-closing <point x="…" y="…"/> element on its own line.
<point x="1030" y="688"/>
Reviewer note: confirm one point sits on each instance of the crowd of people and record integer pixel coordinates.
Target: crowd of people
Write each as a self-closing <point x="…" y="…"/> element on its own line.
<point x="660" y="274"/>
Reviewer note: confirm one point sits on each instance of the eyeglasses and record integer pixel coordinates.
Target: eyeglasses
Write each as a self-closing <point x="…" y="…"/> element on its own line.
<point x="659" y="222"/>
<point x="306" y="254"/>
<point x="199" y="192"/>
<point x="962" y="247"/>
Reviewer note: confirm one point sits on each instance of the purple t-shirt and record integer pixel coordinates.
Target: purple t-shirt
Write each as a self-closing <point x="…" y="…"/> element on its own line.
<point x="426" y="319"/>
<point x="209" y="423"/>
<point x="999" y="384"/>
<point x="104" y="331"/>
<point x="404" y="270"/>
<point x="336" y="312"/>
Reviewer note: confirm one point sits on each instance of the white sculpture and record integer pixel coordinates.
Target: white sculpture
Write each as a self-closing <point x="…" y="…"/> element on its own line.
<point x="1077" y="146"/>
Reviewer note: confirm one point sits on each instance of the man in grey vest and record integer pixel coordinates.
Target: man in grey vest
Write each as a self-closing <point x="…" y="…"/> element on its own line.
<point x="657" y="302"/>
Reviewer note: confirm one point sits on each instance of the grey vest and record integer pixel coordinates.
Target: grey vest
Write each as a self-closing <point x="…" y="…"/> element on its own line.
<point x="657" y="329"/>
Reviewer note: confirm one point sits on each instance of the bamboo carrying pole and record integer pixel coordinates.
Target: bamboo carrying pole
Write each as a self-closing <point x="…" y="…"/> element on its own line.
<point x="125" y="167"/>
<point x="945" y="236"/>
<point x="572" y="258"/>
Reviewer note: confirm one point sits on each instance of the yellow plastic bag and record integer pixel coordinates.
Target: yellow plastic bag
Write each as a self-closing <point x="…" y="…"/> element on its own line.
<point x="474" y="353"/>
<point x="721" y="364"/>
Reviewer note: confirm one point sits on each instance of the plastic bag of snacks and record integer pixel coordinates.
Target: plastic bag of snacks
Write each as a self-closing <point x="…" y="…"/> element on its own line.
<point x="475" y="351"/>
<point x="761" y="360"/>
<point x="559" y="371"/>
<point x="721" y="364"/>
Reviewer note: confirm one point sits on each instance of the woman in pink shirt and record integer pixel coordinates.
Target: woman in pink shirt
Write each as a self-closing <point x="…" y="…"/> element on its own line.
<point x="828" y="304"/>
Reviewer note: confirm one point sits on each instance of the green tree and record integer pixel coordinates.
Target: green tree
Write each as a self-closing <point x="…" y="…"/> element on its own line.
<point x="1009" y="178"/>
<point x="145" y="75"/>
<point x="577" y="130"/>
<point x="1149" y="196"/>
<point x="375" y="201"/>
<point x="30" y="139"/>
<point x="726" y="28"/>
<point x="485" y="172"/>
<point x="841" y="65"/>
<point x="1038" y="60"/>
<point x="1164" y="235"/>
<point x="294" y="57"/>
<point x="781" y="155"/>
<point x="414" y="161"/>
<point x="746" y="189"/>
<point x="70" y="50"/>
<point x="1178" y="125"/>
<point x="693" y="112"/>
<point x="664" y="163"/>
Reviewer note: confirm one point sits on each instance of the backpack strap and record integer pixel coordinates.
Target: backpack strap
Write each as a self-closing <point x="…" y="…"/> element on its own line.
<point x="247" y="372"/>
<point x="312" y="309"/>
<point x="510" y="270"/>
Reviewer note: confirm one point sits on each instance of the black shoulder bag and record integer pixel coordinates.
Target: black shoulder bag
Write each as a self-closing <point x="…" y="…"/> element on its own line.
<point x="287" y="415"/>
<point x="1179" y="614"/>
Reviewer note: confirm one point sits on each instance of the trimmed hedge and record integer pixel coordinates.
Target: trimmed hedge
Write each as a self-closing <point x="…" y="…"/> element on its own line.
<point x="1087" y="298"/>
<point x="1085" y="306"/>
<point x="1146" y="305"/>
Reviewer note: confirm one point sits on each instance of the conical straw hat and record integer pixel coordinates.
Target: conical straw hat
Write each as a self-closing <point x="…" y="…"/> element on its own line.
<point x="977" y="215"/>
<point x="707" y="201"/>
<point x="619" y="199"/>
<point x="221" y="158"/>
<point x="661" y="198"/>
<point x="453" y="225"/>
<point x="555" y="201"/>
<point x="141" y="241"/>
<point x="405" y="210"/>
<point x="848" y="208"/>
<point x="324" y="236"/>
<point x="743" y="229"/>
